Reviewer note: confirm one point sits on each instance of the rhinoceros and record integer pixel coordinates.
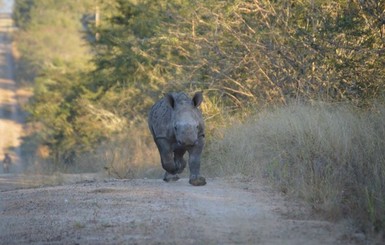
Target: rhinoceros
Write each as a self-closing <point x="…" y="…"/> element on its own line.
<point x="177" y="127"/>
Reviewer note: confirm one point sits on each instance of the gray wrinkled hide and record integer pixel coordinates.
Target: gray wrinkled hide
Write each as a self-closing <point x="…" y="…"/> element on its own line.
<point x="177" y="126"/>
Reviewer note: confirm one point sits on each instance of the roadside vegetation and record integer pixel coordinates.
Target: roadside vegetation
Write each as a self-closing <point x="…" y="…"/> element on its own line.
<point x="331" y="155"/>
<point x="97" y="66"/>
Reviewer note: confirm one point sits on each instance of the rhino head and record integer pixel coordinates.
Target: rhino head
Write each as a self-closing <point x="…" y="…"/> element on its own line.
<point x="187" y="120"/>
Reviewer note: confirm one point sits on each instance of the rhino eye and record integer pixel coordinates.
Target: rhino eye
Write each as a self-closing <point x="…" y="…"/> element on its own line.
<point x="175" y="127"/>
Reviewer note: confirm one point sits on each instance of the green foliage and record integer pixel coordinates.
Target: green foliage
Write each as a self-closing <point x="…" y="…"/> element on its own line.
<point x="55" y="57"/>
<point x="21" y="13"/>
<point x="129" y="78"/>
<point x="267" y="51"/>
<point x="242" y="54"/>
<point x="50" y="36"/>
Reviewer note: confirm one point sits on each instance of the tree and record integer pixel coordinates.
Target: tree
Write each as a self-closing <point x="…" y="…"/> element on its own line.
<point x="242" y="54"/>
<point x="54" y="53"/>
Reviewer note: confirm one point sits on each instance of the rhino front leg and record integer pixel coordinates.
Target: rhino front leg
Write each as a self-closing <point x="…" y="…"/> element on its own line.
<point x="180" y="165"/>
<point x="195" y="164"/>
<point x="167" y="159"/>
<point x="179" y="160"/>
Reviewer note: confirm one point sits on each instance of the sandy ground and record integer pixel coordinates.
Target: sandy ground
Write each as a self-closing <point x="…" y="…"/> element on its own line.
<point x="148" y="211"/>
<point x="90" y="210"/>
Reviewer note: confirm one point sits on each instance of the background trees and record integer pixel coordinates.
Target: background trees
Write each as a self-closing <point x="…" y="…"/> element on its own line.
<point x="242" y="54"/>
<point x="54" y="59"/>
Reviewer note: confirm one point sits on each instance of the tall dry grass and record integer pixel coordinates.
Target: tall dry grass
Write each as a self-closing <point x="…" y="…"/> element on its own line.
<point x="131" y="154"/>
<point x="333" y="156"/>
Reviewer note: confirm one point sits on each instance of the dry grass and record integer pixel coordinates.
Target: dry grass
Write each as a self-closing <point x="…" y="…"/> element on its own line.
<point x="331" y="155"/>
<point x="131" y="154"/>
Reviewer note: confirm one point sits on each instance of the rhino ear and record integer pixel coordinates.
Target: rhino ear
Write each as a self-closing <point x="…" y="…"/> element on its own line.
<point x="197" y="99"/>
<point x="170" y="100"/>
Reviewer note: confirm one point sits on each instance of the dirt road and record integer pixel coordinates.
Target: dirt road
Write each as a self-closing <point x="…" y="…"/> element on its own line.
<point x="225" y="211"/>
